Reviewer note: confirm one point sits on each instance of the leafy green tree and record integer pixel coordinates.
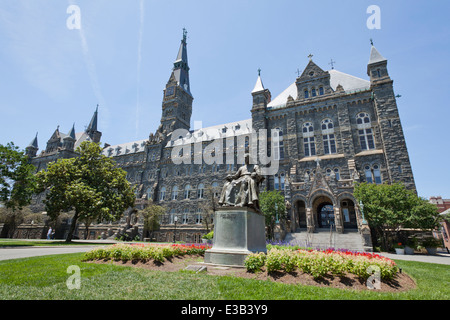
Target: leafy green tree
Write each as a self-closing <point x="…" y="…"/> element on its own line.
<point x="152" y="214"/>
<point x="17" y="180"/>
<point x="272" y="206"/>
<point x="89" y="184"/>
<point x="388" y="208"/>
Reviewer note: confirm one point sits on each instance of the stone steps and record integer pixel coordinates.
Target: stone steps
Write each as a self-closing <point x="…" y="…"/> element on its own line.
<point x="350" y="240"/>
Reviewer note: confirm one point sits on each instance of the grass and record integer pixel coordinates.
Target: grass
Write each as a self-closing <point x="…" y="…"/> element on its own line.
<point x="35" y="243"/>
<point x="42" y="278"/>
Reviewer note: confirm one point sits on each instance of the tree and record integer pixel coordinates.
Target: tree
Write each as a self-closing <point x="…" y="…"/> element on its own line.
<point x="388" y="208"/>
<point x="152" y="217"/>
<point x="273" y="207"/>
<point x="89" y="184"/>
<point x="209" y="207"/>
<point x="17" y="180"/>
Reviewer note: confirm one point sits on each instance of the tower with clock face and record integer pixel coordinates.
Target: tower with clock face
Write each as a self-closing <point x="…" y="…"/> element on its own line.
<point x="177" y="100"/>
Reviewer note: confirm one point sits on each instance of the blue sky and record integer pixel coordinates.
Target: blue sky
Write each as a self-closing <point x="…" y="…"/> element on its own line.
<point x="122" y="56"/>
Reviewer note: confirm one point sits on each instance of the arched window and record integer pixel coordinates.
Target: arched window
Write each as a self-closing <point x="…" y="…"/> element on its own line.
<point x="337" y="174"/>
<point x="308" y="139"/>
<point x="313" y="92"/>
<point x="373" y="174"/>
<point x="200" y="191"/>
<point x="282" y="181"/>
<point x="276" y="181"/>
<point x="329" y="142"/>
<point x="321" y="91"/>
<point x="174" y="193"/>
<point x="365" y="131"/>
<point x="162" y="194"/>
<point x="187" y="192"/>
<point x="306" y="94"/>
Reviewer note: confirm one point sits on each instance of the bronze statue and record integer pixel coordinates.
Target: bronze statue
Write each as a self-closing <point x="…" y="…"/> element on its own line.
<point x="242" y="188"/>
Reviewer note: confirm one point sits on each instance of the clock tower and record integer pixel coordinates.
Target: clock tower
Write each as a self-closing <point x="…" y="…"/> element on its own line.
<point x="177" y="100"/>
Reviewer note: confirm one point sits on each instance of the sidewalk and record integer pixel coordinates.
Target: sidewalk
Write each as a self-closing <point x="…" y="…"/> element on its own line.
<point x="442" y="257"/>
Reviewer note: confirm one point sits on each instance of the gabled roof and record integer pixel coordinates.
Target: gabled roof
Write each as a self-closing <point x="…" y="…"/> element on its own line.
<point x="348" y="82"/>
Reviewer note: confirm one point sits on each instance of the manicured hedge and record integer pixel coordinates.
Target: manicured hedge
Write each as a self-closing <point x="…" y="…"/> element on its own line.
<point x="144" y="252"/>
<point x="321" y="263"/>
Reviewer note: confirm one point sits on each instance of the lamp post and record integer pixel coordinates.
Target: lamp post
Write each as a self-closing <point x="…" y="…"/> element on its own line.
<point x="175" y="232"/>
<point x="276" y="213"/>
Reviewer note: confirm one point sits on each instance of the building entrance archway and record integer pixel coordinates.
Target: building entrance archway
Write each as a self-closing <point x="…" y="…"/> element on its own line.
<point x="323" y="210"/>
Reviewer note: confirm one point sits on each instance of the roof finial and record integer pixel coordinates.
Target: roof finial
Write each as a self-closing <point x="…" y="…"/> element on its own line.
<point x="332" y="63"/>
<point x="259" y="72"/>
<point x="371" y="41"/>
<point x="310" y="56"/>
<point x="184" y="34"/>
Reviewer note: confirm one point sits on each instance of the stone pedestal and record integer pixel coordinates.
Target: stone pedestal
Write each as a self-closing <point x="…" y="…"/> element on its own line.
<point x="238" y="231"/>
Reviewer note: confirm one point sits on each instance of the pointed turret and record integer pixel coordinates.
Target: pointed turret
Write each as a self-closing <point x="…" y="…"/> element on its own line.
<point x="377" y="66"/>
<point x="32" y="148"/>
<point x="69" y="140"/>
<point x="92" y="130"/>
<point x="259" y="85"/>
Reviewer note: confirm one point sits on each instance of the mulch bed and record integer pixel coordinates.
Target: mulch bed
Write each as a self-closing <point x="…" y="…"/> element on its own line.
<point x="401" y="282"/>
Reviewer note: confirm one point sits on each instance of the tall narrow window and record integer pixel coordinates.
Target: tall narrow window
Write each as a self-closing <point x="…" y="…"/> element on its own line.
<point x="198" y="216"/>
<point x="149" y="193"/>
<point x="337" y="174"/>
<point x="308" y="139"/>
<point x="368" y="174"/>
<point x="282" y="181"/>
<point x="377" y="173"/>
<point x="172" y="216"/>
<point x="313" y="92"/>
<point x="185" y="216"/>
<point x="187" y="192"/>
<point x="329" y="141"/>
<point x="174" y="193"/>
<point x="306" y="94"/>
<point x="276" y="182"/>
<point x="200" y="191"/>
<point x="162" y="194"/>
<point x="365" y="131"/>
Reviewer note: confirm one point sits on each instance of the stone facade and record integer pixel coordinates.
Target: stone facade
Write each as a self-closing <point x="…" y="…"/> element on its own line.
<point x="334" y="130"/>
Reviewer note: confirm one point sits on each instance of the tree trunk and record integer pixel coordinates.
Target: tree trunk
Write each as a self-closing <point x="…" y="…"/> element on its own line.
<point x="72" y="227"/>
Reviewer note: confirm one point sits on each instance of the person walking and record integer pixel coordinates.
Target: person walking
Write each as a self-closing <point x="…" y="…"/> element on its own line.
<point x="49" y="233"/>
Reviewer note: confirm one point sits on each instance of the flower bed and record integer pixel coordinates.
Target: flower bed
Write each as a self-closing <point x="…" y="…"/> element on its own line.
<point x="144" y="252"/>
<point x="321" y="263"/>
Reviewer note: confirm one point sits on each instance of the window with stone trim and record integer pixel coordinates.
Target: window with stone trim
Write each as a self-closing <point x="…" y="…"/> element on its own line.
<point x="162" y="194"/>
<point x="309" y="144"/>
<point x="198" y="216"/>
<point x="365" y="131"/>
<point x="328" y="137"/>
<point x="149" y="193"/>
<point x="187" y="192"/>
<point x="373" y="174"/>
<point x="185" y="217"/>
<point x="200" y="191"/>
<point x="172" y="215"/>
<point x="174" y="193"/>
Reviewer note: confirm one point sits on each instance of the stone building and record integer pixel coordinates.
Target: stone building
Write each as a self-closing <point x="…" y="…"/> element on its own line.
<point x="327" y="130"/>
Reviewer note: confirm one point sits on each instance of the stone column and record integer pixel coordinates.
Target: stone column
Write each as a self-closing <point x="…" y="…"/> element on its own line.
<point x="309" y="220"/>
<point x="338" y="220"/>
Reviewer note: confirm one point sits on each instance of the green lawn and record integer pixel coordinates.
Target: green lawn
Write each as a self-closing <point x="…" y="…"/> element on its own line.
<point x="45" y="278"/>
<point x="33" y="243"/>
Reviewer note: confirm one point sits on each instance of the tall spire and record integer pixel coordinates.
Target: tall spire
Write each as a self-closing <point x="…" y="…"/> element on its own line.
<point x="181" y="67"/>
<point x="34" y="142"/>
<point x="93" y="124"/>
<point x="72" y="132"/>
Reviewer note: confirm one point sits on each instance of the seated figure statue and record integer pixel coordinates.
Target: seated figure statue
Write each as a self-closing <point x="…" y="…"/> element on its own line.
<point x="242" y="188"/>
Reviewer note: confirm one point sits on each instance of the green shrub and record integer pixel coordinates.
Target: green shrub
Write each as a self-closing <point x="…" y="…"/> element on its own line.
<point x="255" y="261"/>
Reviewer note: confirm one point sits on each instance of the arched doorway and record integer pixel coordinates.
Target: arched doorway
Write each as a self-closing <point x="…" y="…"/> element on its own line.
<point x="301" y="213"/>
<point x="349" y="214"/>
<point x="325" y="215"/>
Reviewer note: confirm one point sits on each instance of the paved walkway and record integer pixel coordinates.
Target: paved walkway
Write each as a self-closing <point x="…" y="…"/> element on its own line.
<point x="25" y="252"/>
<point x="441" y="257"/>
